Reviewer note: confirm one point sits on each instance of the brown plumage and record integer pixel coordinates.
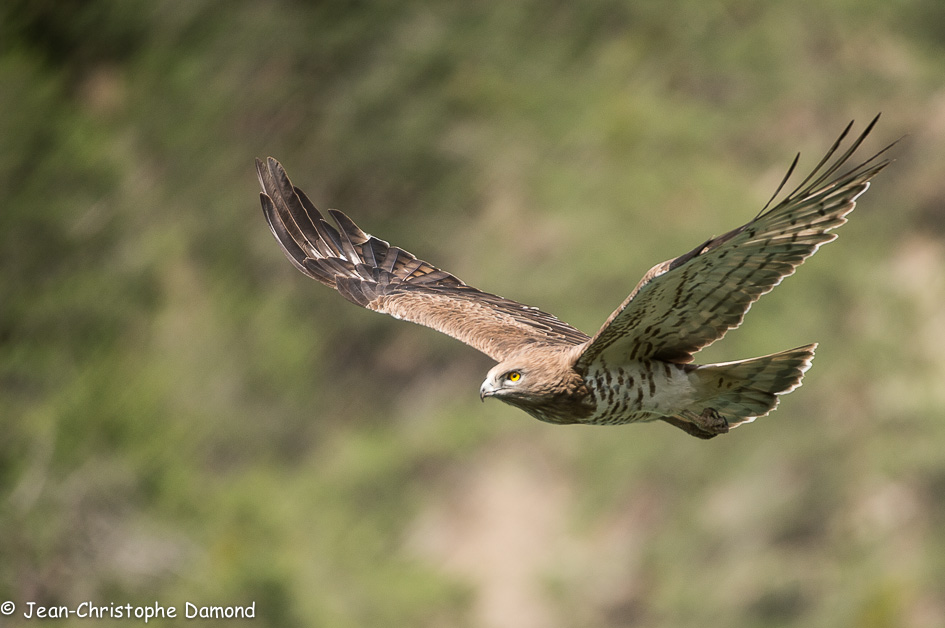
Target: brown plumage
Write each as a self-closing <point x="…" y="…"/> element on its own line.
<point x="638" y="366"/>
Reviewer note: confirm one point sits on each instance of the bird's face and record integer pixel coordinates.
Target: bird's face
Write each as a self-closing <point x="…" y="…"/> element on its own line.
<point x="504" y="381"/>
<point x="549" y="391"/>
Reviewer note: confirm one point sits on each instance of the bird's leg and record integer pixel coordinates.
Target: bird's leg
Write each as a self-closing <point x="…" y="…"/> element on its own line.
<point x="706" y="425"/>
<point x="711" y="421"/>
<point x="689" y="427"/>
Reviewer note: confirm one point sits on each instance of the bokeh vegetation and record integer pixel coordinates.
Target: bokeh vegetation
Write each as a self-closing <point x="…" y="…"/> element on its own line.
<point x="186" y="417"/>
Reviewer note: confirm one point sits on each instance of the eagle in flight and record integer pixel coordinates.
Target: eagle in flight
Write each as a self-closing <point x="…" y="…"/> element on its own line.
<point x="639" y="365"/>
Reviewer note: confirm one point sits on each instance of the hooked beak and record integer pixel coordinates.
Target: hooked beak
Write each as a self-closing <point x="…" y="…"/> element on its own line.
<point x="486" y="390"/>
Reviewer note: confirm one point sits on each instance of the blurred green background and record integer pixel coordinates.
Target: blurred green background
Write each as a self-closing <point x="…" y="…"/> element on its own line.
<point x="185" y="417"/>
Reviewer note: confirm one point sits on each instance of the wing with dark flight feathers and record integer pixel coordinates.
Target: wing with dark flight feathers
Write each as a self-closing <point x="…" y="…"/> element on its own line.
<point x="689" y="302"/>
<point x="373" y="274"/>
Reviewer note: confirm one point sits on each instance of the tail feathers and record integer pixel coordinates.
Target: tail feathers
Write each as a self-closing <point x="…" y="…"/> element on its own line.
<point x="745" y="390"/>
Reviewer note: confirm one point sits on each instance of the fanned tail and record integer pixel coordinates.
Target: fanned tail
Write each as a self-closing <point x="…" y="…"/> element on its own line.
<point x="747" y="389"/>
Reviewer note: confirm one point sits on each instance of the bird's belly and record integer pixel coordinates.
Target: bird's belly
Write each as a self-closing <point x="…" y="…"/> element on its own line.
<point x="638" y="391"/>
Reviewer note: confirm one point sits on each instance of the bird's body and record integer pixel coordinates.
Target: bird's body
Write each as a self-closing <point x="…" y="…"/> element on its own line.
<point x="647" y="390"/>
<point x="639" y="390"/>
<point x="638" y="366"/>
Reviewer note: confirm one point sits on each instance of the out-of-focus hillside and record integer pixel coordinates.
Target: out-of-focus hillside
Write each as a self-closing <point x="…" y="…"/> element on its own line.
<point x="185" y="417"/>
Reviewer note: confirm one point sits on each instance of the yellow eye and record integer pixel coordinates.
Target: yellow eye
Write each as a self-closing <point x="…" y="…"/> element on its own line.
<point x="514" y="376"/>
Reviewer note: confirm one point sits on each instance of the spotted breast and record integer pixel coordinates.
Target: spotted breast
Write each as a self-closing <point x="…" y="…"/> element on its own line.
<point x="643" y="390"/>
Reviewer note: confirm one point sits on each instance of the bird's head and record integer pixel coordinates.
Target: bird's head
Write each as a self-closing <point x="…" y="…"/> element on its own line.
<point x="506" y="382"/>
<point x="549" y="390"/>
<point x="528" y="379"/>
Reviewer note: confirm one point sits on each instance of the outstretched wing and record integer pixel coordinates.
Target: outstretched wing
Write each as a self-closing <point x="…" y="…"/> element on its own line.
<point x="689" y="302"/>
<point x="373" y="274"/>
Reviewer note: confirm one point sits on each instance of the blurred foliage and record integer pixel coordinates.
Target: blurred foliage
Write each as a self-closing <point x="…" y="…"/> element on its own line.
<point x="186" y="418"/>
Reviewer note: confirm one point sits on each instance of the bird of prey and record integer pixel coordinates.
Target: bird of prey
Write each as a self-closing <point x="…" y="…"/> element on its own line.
<point x="639" y="365"/>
